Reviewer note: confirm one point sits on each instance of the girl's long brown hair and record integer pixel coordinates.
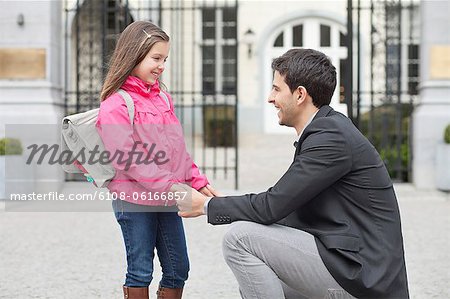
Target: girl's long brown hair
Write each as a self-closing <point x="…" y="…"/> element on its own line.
<point x="131" y="48"/>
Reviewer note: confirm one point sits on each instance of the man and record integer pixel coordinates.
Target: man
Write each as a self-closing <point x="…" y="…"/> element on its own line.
<point x="330" y="227"/>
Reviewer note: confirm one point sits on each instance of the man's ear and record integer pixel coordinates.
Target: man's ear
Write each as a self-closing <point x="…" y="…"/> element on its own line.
<point x="300" y="94"/>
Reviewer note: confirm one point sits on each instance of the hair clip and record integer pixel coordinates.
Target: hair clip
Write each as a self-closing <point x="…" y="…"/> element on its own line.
<point x="148" y="35"/>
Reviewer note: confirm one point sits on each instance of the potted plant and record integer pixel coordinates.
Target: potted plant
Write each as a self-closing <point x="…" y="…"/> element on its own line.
<point x="443" y="162"/>
<point x="8" y="147"/>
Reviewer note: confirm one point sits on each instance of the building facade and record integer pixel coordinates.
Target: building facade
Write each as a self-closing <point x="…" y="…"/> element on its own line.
<point x="54" y="56"/>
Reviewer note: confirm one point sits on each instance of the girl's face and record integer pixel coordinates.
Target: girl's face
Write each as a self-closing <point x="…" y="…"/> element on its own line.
<point x="152" y="66"/>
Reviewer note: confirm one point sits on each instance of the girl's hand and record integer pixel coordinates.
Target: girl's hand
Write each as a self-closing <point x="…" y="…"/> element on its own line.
<point x="209" y="191"/>
<point x="193" y="205"/>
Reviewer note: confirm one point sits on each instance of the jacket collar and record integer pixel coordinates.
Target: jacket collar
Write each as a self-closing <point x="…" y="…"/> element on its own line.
<point x="138" y="86"/>
<point x="323" y="112"/>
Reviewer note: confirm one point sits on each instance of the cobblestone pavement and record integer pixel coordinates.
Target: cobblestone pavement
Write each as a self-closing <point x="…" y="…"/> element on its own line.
<point x="81" y="255"/>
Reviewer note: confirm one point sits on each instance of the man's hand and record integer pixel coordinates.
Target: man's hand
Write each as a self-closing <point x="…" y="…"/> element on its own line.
<point x="193" y="204"/>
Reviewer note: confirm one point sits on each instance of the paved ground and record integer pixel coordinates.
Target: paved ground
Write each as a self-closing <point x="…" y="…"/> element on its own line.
<point x="81" y="255"/>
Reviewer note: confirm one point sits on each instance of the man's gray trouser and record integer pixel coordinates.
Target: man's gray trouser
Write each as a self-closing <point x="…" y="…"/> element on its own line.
<point x="275" y="262"/>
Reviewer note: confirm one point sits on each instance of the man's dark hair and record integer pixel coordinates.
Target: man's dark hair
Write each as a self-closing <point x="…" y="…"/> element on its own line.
<point x="308" y="68"/>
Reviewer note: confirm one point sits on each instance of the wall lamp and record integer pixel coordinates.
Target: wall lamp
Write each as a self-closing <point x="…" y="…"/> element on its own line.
<point x="249" y="39"/>
<point x="20" y="20"/>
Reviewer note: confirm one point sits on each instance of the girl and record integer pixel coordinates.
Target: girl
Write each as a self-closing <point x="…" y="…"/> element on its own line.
<point x="136" y="65"/>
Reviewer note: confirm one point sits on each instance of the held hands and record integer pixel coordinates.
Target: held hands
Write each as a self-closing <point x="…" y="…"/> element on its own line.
<point x="209" y="191"/>
<point x="193" y="203"/>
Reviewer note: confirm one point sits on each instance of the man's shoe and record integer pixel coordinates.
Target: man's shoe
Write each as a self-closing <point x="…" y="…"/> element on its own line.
<point x="135" y="293"/>
<point x="166" y="293"/>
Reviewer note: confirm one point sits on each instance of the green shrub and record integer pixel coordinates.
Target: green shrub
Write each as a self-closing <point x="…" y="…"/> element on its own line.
<point x="219" y="125"/>
<point x="10" y="146"/>
<point x="390" y="157"/>
<point x="447" y="134"/>
<point x="220" y="132"/>
<point x="383" y="121"/>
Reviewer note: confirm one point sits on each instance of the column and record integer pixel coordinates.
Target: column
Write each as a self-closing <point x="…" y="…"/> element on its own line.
<point x="31" y="80"/>
<point x="432" y="114"/>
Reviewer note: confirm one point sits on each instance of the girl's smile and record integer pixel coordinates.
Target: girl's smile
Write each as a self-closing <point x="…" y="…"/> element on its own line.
<point x="152" y="66"/>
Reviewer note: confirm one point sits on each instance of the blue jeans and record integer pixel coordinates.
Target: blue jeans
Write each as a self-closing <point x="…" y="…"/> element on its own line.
<point x="142" y="233"/>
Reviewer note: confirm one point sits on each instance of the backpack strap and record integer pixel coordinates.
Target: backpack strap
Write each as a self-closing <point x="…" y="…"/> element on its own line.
<point x="130" y="104"/>
<point x="164" y="96"/>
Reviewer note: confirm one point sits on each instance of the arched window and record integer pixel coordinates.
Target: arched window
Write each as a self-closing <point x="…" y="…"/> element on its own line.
<point x="316" y="33"/>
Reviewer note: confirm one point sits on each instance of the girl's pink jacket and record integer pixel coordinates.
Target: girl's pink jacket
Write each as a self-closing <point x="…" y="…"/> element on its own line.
<point x="157" y="137"/>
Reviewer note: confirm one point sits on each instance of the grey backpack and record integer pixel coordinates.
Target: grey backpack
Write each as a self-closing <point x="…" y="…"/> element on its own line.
<point x="79" y="134"/>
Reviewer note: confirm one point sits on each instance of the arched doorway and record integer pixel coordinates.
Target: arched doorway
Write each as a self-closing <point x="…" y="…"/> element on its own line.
<point x="94" y="27"/>
<point x="317" y="33"/>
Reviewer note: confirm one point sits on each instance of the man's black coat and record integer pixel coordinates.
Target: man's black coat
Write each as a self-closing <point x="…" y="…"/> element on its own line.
<point x="338" y="189"/>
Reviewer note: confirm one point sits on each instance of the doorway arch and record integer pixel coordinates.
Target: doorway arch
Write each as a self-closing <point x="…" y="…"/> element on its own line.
<point x="303" y="30"/>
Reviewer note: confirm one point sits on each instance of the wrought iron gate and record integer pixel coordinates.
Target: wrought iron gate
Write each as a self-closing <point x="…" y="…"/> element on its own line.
<point x="382" y="89"/>
<point x="201" y="73"/>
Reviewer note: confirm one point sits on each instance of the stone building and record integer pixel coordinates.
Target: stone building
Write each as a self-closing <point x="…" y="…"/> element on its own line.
<point x="396" y="87"/>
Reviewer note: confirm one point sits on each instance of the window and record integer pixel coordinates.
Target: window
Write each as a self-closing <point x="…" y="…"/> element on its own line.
<point x="393" y="69"/>
<point x="229" y="23"/>
<point x="279" y="40"/>
<point x="297" y="36"/>
<point x="325" y="35"/>
<point x="229" y="69"/>
<point x="402" y="51"/>
<point x="209" y="69"/>
<point x="342" y="39"/>
<point x="219" y="50"/>
<point x="393" y="65"/>
<point x="209" y="23"/>
<point x="413" y="69"/>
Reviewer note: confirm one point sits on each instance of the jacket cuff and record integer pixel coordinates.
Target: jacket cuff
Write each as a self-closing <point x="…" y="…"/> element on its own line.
<point x="199" y="182"/>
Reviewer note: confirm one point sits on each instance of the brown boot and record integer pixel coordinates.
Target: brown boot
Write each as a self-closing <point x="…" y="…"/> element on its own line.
<point x="135" y="293"/>
<point x="166" y="293"/>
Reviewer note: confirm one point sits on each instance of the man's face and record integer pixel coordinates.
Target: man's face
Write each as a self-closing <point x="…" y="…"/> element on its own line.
<point x="283" y="100"/>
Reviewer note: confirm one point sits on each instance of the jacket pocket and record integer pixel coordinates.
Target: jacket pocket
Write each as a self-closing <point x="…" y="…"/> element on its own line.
<point x="344" y="242"/>
<point x="345" y="249"/>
